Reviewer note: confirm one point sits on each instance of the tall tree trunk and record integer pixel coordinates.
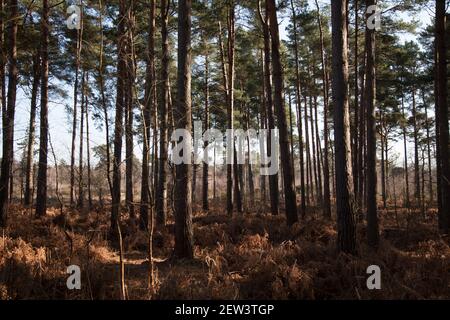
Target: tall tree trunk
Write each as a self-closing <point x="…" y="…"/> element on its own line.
<point x="416" y="151"/>
<point x="74" y="116"/>
<point x="103" y="101"/>
<point x="28" y="193"/>
<point x="326" y="166"/>
<point x="263" y="126"/>
<point x="286" y="163"/>
<point x="405" y="152"/>
<point x="314" y="150"/>
<point x="182" y="116"/>
<point x="231" y="79"/>
<point x="148" y="105"/>
<point x="8" y="124"/>
<point x="291" y="135"/>
<point x="80" y="159"/>
<point x="355" y="147"/>
<point x="118" y="126"/>
<point x="273" y="179"/>
<point x="161" y="198"/>
<point x="88" y="150"/>
<point x="430" y="175"/>
<point x="205" y="197"/>
<point x="41" y="203"/>
<point x="129" y="104"/>
<point x="370" y="96"/>
<point x="442" y="127"/>
<point x="344" y="187"/>
<point x="318" y="155"/>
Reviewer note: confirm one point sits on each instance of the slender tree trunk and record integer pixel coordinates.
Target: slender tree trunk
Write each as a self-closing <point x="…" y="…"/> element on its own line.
<point x="205" y="190"/>
<point x="326" y="166"/>
<point x="273" y="179"/>
<point x="356" y="133"/>
<point x="182" y="116"/>
<point x="148" y="105"/>
<point x="28" y="194"/>
<point x="74" y="116"/>
<point x="362" y="150"/>
<point x="442" y="127"/>
<point x="263" y="126"/>
<point x="80" y="164"/>
<point x="129" y="104"/>
<point x="430" y="176"/>
<point x="286" y="163"/>
<point x="416" y="151"/>
<point x="103" y="101"/>
<point x="344" y="187"/>
<point x="41" y="203"/>
<point x="318" y="155"/>
<point x="88" y="150"/>
<point x="291" y="135"/>
<point x="370" y="96"/>
<point x="118" y="127"/>
<point x="161" y="199"/>
<point x="405" y="152"/>
<point x="231" y="79"/>
<point x="314" y="152"/>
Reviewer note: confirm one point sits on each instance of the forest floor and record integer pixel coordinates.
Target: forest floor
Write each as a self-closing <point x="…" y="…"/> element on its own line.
<point x="251" y="256"/>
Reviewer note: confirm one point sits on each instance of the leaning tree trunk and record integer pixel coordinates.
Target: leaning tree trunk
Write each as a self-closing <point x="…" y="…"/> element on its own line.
<point x="344" y="193"/>
<point x="288" y="172"/>
<point x="182" y="115"/>
<point x="41" y="202"/>
<point x="370" y="96"/>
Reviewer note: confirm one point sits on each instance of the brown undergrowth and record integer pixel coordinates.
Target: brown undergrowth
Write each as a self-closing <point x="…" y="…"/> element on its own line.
<point x="252" y="256"/>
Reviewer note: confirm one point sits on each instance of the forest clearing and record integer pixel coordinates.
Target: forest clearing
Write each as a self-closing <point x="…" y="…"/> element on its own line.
<point x="224" y="150"/>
